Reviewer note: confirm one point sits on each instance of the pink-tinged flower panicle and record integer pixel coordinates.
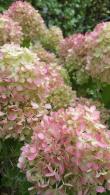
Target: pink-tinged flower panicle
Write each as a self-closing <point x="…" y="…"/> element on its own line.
<point x="88" y="54"/>
<point x="75" y="42"/>
<point x="104" y="112"/>
<point x="97" y="58"/>
<point x="10" y="31"/>
<point x="69" y="150"/>
<point x="72" y="54"/>
<point x="93" y="37"/>
<point x="24" y="66"/>
<point x="28" y="18"/>
<point x="25" y="84"/>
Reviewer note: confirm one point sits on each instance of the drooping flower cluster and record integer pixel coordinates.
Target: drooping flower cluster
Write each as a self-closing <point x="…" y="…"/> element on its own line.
<point x="72" y="54"/>
<point x="70" y="150"/>
<point x="25" y="83"/>
<point x="28" y="18"/>
<point x="10" y="31"/>
<point x="98" y="52"/>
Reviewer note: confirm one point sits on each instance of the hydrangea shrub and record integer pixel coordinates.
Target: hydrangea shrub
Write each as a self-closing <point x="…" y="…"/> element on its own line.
<point x="66" y="143"/>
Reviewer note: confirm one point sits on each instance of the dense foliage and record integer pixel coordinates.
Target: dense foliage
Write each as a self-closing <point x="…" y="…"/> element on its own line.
<point x="54" y="101"/>
<point x="71" y="16"/>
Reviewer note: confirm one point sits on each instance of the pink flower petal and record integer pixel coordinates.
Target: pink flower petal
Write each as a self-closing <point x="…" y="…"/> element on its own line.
<point x="100" y="189"/>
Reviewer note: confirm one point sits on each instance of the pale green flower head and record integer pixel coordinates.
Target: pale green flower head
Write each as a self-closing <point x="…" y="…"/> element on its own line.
<point x="16" y="58"/>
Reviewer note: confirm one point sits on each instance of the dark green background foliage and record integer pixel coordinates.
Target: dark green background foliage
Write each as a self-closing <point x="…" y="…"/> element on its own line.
<point x="73" y="15"/>
<point x="4" y="4"/>
<point x="70" y="15"/>
<point x="12" y="181"/>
